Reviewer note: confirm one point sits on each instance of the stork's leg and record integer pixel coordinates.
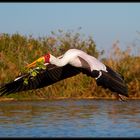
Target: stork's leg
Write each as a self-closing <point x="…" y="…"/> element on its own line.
<point x="120" y="97"/>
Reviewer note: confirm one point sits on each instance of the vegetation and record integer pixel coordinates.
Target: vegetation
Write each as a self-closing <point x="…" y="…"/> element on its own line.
<point x="17" y="50"/>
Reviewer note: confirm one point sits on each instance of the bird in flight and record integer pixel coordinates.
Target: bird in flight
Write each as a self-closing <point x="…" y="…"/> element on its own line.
<point x="71" y="63"/>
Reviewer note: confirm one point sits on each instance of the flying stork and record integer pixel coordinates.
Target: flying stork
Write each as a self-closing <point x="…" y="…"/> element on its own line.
<point x="71" y="63"/>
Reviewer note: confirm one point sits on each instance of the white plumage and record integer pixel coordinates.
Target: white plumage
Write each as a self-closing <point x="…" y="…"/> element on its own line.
<point x="78" y="58"/>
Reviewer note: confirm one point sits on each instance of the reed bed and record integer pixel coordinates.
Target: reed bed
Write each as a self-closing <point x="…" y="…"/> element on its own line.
<point x="17" y="50"/>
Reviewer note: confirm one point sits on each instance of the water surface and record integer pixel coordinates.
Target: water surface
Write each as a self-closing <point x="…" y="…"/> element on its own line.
<point x="70" y="118"/>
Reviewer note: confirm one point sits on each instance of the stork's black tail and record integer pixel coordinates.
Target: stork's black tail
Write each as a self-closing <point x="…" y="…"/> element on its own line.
<point x="114" y="81"/>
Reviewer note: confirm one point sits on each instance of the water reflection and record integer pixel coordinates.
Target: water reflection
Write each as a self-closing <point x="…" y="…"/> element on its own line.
<point x="79" y="118"/>
<point x="125" y="112"/>
<point x="23" y="112"/>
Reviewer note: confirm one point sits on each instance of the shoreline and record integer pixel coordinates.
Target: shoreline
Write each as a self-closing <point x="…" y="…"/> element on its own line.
<point x="2" y="99"/>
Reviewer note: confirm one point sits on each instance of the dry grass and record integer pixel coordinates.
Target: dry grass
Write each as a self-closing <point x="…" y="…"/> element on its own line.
<point x="17" y="50"/>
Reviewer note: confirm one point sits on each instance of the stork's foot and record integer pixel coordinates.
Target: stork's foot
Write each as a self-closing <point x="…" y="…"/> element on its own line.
<point x="120" y="97"/>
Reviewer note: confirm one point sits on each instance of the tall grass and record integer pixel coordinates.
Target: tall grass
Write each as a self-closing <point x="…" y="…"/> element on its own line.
<point x="17" y="50"/>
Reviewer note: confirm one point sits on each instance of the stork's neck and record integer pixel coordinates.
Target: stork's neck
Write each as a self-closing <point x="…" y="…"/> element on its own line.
<point x="60" y="61"/>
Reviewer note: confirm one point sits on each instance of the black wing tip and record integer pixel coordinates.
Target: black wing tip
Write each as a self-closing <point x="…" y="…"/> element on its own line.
<point x="124" y="91"/>
<point x="10" y="87"/>
<point x="4" y="90"/>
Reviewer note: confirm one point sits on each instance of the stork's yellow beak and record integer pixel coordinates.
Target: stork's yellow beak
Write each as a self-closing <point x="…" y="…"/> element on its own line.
<point x="33" y="64"/>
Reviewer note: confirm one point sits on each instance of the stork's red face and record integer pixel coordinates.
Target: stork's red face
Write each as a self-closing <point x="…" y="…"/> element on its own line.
<point x="45" y="59"/>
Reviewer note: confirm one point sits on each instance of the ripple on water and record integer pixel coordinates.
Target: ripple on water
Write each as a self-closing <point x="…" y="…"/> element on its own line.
<point x="70" y="118"/>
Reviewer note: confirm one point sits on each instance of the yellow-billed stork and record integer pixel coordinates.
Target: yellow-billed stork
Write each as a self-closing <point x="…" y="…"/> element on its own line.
<point x="71" y="63"/>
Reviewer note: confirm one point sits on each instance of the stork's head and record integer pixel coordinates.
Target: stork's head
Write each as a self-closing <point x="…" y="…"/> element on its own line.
<point x="45" y="59"/>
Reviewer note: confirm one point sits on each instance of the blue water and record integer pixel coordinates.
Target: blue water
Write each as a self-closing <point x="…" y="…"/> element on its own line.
<point x="70" y="118"/>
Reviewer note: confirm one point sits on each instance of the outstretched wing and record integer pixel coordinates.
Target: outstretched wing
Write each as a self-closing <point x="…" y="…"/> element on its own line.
<point x="44" y="78"/>
<point x="53" y="74"/>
